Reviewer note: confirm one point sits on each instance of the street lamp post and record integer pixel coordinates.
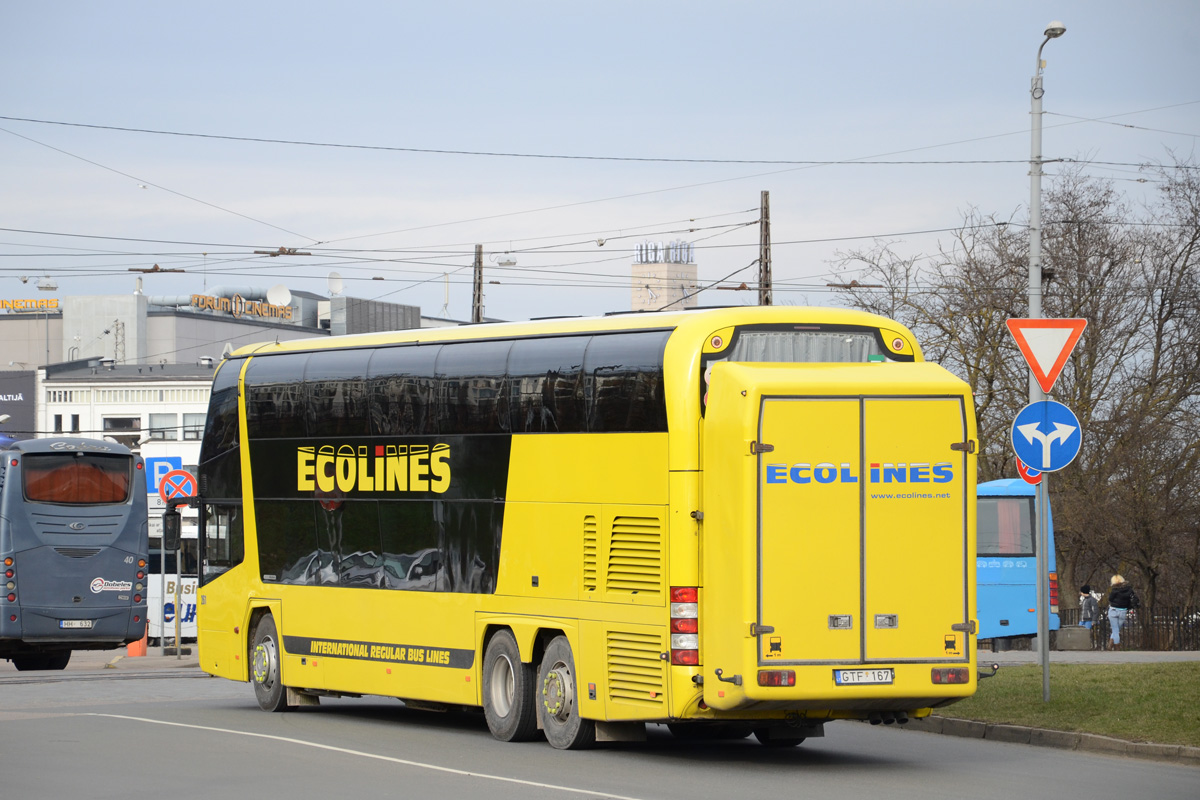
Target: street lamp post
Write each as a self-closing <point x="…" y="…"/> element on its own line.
<point x="1053" y="31"/>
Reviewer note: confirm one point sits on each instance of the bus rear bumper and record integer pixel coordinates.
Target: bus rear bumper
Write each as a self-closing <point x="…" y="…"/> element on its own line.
<point x="79" y="627"/>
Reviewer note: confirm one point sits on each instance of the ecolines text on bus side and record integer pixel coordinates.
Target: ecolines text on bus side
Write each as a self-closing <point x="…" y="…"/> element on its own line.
<point x="828" y="472"/>
<point x="389" y="468"/>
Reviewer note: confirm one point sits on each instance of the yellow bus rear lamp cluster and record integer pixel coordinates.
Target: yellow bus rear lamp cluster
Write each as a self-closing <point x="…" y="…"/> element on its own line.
<point x="777" y="677"/>
<point x="944" y="675"/>
<point x="685" y="626"/>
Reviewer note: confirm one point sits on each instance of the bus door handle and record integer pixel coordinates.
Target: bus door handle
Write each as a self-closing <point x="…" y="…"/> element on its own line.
<point x="964" y="627"/>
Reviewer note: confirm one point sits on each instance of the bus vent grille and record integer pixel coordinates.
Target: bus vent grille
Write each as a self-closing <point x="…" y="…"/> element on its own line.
<point x="590" y="548"/>
<point x="635" y="557"/>
<point x="635" y="669"/>
<point x="77" y="552"/>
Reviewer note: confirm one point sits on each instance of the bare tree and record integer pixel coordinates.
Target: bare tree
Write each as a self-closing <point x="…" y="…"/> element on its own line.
<point x="1129" y="503"/>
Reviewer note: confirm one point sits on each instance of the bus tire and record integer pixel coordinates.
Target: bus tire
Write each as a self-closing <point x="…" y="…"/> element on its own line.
<point x="508" y="690"/>
<point x="265" y="671"/>
<point x="776" y="737"/>
<point x="30" y="663"/>
<point x="58" y="660"/>
<point x="558" y="709"/>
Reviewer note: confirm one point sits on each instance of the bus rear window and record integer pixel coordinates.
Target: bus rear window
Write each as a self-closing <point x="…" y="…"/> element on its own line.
<point x="805" y="346"/>
<point x="77" y="478"/>
<point x="1005" y="526"/>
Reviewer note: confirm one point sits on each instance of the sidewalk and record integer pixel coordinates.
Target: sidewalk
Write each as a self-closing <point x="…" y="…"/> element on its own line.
<point x="1018" y="657"/>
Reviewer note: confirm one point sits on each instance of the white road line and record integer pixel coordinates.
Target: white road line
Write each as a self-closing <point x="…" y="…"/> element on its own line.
<point x="377" y="757"/>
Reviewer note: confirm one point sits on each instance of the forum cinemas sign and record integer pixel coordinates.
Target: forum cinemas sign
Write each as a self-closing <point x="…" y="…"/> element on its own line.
<point x="239" y="306"/>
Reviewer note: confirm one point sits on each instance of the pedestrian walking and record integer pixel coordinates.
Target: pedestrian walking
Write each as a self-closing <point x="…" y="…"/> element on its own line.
<point x="1089" y="607"/>
<point x="1121" y="600"/>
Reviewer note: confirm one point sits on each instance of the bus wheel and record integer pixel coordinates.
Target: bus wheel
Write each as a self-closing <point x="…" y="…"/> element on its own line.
<point x="508" y="691"/>
<point x="58" y="661"/>
<point x="264" y="667"/>
<point x="29" y="663"/>
<point x="558" y="710"/>
<point x="776" y="737"/>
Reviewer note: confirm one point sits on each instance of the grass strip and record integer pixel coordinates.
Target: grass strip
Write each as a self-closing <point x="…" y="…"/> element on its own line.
<point x="1137" y="702"/>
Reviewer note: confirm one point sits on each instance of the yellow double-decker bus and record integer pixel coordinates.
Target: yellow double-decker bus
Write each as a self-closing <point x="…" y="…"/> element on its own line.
<point x="728" y="521"/>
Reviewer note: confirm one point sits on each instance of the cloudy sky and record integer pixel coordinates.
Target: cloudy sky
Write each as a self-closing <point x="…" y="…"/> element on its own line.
<point x="386" y="139"/>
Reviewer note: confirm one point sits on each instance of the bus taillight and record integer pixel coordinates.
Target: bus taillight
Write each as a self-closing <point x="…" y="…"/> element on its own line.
<point x="950" y="675"/>
<point x="685" y="626"/>
<point x="1053" y="592"/>
<point x="777" y="677"/>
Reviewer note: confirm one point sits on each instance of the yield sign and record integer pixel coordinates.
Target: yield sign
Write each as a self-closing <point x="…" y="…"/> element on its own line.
<point x="1046" y="343"/>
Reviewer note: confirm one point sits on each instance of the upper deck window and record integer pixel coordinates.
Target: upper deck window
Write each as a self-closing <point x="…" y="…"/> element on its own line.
<point x="77" y="478"/>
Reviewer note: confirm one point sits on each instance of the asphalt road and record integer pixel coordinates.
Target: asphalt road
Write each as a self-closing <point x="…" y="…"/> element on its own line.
<point x="152" y="728"/>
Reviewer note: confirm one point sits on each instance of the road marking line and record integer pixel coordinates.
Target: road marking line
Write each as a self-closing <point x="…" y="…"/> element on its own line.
<point x="377" y="757"/>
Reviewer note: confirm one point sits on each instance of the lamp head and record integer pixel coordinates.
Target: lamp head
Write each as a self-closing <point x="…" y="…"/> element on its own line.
<point x="1055" y="29"/>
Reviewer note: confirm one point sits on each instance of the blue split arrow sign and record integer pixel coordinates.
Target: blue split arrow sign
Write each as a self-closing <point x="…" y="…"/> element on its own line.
<point x="1046" y="436"/>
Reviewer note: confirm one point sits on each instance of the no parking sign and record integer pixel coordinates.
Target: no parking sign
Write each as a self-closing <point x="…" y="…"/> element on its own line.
<point x="178" y="484"/>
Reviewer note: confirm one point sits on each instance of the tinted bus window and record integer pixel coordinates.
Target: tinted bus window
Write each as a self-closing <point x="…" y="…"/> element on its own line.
<point x="401" y="387"/>
<point x="336" y="389"/>
<point x="220" y="470"/>
<point x="188" y="549"/>
<point x="287" y="543"/>
<point x="412" y="556"/>
<point x="623" y="385"/>
<point x="1005" y="526"/>
<point x="77" y="478"/>
<point x="471" y="380"/>
<point x="546" y="384"/>
<point x="275" y="396"/>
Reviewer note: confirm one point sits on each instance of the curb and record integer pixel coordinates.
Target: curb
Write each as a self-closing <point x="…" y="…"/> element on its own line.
<point x="1064" y="740"/>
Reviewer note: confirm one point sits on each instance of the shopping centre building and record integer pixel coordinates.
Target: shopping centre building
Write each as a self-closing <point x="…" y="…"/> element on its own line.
<point x="137" y="367"/>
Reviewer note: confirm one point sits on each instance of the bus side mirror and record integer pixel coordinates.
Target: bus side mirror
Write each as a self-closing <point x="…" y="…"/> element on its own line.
<point x="172" y="522"/>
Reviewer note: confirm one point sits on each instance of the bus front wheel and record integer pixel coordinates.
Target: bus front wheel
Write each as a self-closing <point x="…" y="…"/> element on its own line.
<point x="265" y="673"/>
<point x="558" y="710"/>
<point x="508" y="690"/>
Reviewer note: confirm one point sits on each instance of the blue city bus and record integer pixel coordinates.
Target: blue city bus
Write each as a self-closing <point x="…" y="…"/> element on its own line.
<point x="74" y="547"/>
<point x="1006" y="596"/>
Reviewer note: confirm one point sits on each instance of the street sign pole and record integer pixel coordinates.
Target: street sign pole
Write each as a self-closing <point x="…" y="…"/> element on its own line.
<point x="1043" y="582"/>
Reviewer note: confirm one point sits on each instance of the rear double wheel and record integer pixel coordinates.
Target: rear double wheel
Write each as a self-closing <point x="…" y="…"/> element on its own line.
<point x="508" y="691"/>
<point x="558" y="709"/>
<point x="265" y="672"/>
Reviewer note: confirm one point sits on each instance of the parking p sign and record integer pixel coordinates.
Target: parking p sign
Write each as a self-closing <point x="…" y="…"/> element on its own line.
<point x="157" y="468"/>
